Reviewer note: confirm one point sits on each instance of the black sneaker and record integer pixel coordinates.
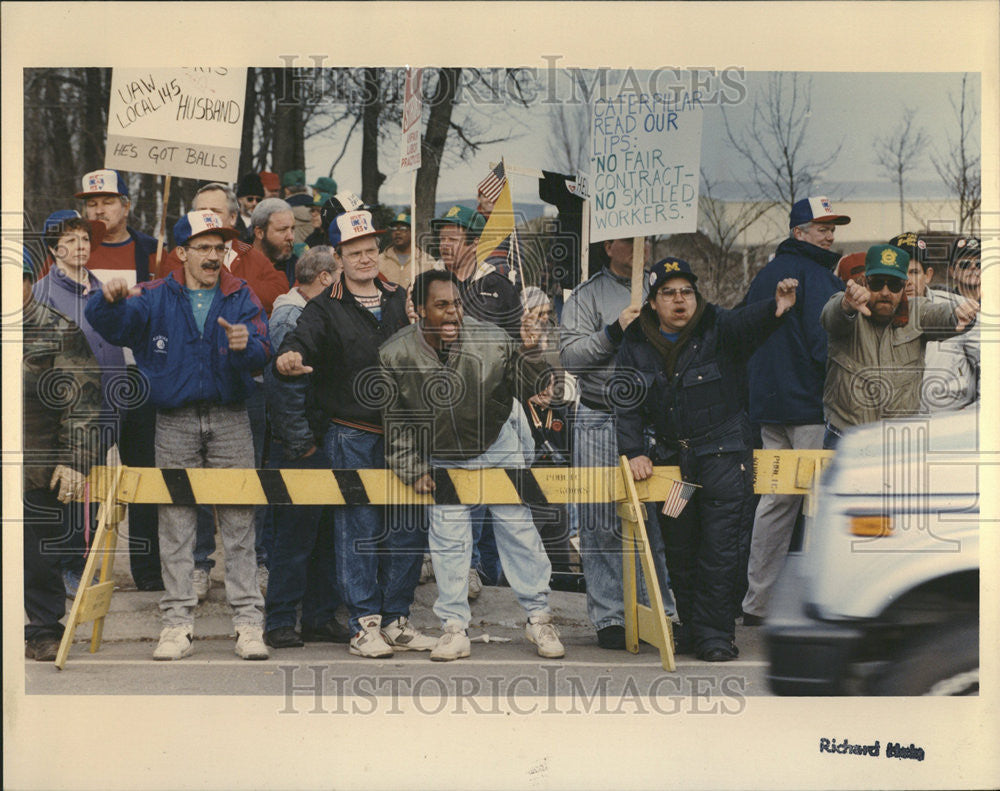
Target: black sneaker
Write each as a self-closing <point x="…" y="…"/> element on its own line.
<point x="330" y="632"/>
<point x="283" y="637"/>
<point x="149" y="584"/>
<point x="42" y="649"/>
<point x="752" y="620"/>
<point x="612" y="637"/>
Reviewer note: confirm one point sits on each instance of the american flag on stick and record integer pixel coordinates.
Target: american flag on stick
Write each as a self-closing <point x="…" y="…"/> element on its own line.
<point x="678" y="496"/>
<point x="493" y="183"/>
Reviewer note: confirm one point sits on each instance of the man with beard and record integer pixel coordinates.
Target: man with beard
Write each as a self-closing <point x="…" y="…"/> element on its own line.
<point x="198" y="336"/>
<point x="273" y="226"/>
<point x="872" y="351"/>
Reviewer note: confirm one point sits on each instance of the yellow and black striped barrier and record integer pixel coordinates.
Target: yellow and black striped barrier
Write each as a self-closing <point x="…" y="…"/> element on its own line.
<point x="775" y="472"/>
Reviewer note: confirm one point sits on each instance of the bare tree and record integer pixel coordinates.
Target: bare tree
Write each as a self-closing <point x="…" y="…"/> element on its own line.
<point x="774" y="144"/>
<point x="959" y="169"/>
<point x="720" y="224"/>
<point x="897" y="154"/>
<point x="568" y="125"/>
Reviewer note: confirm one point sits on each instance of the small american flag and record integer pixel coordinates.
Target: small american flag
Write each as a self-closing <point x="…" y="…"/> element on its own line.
<point x="678" y="496"/>
<point x="493" y="183"/>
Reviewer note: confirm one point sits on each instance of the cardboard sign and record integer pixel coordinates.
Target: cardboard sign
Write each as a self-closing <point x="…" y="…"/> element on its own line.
<point x="176" y="122"/>
<point x="409" y="153"/>
<point x="644" y="164"/>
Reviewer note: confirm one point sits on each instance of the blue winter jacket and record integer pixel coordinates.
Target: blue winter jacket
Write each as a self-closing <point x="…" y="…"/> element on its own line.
<point x="182" y="365"/>
<point x="787" y="372"/>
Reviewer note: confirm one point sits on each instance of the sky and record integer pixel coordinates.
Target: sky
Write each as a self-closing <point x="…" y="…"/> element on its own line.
<point x="848" y="108"/>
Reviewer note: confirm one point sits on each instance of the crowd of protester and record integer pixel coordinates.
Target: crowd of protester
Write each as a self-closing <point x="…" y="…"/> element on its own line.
<point x="284" y="330"/>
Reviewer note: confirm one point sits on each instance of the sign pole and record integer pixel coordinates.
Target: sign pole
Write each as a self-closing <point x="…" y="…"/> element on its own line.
<point x="638" y="263"/>
<point x="413" y="225"/>
<point x="585" y="242"/>
<point x="163" y="224"/>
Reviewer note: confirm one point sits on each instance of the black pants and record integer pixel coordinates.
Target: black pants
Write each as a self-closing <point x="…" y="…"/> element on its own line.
<point x="707" y="545"/>
<point x="44" y="594"/>
<point x="136" y="447"/>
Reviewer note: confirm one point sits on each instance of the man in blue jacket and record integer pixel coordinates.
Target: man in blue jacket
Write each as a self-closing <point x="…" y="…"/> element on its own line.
<point x="786" y="376"/>
<point x="197" y="336"/>
<point x="685" y="360"/>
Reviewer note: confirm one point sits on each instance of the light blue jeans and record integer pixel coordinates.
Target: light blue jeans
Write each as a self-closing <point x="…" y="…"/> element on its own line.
<point x="522" y="555"/>
<point x="595" y="445"/>
<point x="206" y="436"/>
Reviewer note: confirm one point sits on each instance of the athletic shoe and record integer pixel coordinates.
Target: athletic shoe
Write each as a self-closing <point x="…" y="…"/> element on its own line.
<point x="426" y="570"/>
<point x="369" y="641"/>
<point x="403" y="636"/>
<point x="42" y="649"/>
<point x="543" y="634"/>
<point x="175" y="643"/>
<point x="333" y="631"/>
<point x="250" y="642"/>
<point x="283" y="637"/>
<point x="719" y="654"/>
<point x="453" y="644"/>
<point x="475" y="585"/>
<point x="202" y="582"/>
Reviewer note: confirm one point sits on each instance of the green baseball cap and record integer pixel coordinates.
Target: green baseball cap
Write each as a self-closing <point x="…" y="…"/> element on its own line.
<point x="403" y="218"/>
<point x="885" y="259"/>
<point x="325" y="184"/>
<point x="463" y="217"/>
<point x="293" y="178"/>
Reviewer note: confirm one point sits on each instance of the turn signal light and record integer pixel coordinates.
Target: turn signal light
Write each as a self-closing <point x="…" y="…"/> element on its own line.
<point x="871" y="526"/>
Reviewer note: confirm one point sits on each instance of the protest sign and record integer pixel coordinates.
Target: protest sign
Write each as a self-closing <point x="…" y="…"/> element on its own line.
<point x="184" y="122"/>
<point x="644" y="164"/>
<point x="409" y="155"/>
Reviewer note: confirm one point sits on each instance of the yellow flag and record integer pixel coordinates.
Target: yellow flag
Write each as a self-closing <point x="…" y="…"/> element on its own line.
<point x="498" y="227"/>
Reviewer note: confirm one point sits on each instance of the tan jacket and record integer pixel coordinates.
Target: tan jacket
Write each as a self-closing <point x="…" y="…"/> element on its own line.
<point x="875" y="372"/>
<point x="388" y="265"/>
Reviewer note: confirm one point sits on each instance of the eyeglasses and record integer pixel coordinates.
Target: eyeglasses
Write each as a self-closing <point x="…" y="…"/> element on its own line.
<point x="878" y="282"/>
<point x="205" y="249"/>
<point x="357" y="255"/>
<point x="669" y="293"/>
<point x="252" y="199"/>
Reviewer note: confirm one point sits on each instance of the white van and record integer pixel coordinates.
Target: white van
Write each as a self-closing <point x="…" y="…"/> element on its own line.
<point x="884" y="597"/>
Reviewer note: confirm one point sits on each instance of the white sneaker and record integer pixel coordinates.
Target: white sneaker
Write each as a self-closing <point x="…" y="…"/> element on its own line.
<point x="175" y="643"/>
<point x="263" y="575"/>
<point x="543" y="634"/>
<point x="250" y="643"/>
<point x="475" y="584"/>
<point x="401" y="635"/>
<point x="453" y="644"/>
<point x="426" y="571"/>
<point x="369" y="642"/>
<point x="202" y="583"/>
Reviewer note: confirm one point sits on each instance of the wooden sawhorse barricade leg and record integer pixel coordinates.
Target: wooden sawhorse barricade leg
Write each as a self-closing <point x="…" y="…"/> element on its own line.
<point x="93" y="601"/>
<point x="648" y="623"/>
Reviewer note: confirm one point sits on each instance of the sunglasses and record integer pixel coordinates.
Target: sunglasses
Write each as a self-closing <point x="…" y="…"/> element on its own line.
<point x="877" y="282"/>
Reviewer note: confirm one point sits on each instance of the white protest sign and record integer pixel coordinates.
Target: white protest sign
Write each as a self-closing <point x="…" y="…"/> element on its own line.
<point x="184" y="122"/>
<point x="644" y="164"/>
<point x="409" y="154"/>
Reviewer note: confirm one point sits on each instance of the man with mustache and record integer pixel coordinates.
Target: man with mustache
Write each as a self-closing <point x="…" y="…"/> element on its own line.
<point x="198" y="336"/>
<point x="875" y="359"/>
<point x="273" y="227"/>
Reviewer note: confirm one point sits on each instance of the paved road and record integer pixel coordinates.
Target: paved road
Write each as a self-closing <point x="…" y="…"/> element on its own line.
<point x="586" y="680"/>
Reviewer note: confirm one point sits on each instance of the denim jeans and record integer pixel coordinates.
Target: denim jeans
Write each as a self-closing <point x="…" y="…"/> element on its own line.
<point x="206" y="436"/>
<point x="263" y="522"/>
<point x="303" y="568"/>
<point x="378" y="555"/>
<point x="44" y="594"/>
<point x="595" y="445"/>
<point x="522" y="556"/>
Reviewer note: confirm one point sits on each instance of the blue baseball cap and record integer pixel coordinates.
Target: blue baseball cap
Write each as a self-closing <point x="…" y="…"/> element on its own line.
<point x="196" y="223"/>
<point x="663" y="270"/>
<point x="816" y="209"/>
<point x="54" y="224"/>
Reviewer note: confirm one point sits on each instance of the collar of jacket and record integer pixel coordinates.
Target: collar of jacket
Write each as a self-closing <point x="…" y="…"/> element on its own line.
<point x="825" y="258"/>
<point x="228" y="283"/>
<point x="340" y="291"/>
<point x="60" y="279"/>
